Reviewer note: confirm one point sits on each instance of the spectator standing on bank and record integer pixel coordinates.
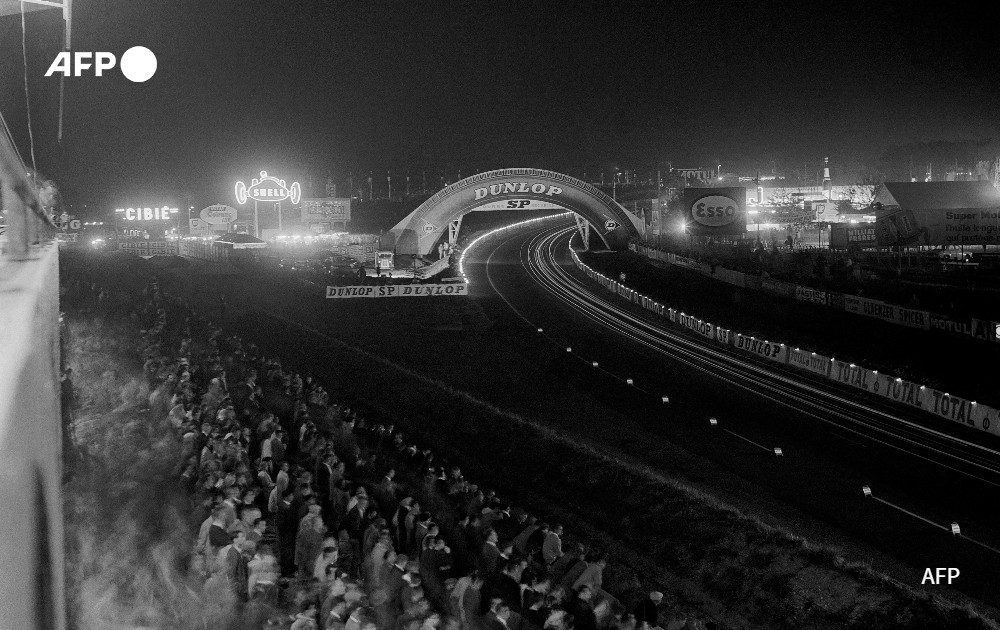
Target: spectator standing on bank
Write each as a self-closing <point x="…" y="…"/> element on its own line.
<point x="647" y="611"/>
<point x="552" y="546"/>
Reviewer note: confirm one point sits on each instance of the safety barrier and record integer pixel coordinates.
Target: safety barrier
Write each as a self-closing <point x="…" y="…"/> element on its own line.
<point x="912" y="395"/>
<point x="984" y="330"/>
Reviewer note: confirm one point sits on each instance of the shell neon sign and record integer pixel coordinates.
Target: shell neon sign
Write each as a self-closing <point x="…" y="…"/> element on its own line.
<point x="267" y="188"/>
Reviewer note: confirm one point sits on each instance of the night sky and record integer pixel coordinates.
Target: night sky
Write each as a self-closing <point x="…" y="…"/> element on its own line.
<point x="309" y="87"/>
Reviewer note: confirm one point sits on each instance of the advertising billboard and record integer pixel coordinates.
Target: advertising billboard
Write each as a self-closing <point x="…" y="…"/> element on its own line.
<point x="326" y="214"/>
<point x="845" y="236"/>
<point x="218" y="214"/>
<point x="979" y="226"/>
<point x="715" y="211"/>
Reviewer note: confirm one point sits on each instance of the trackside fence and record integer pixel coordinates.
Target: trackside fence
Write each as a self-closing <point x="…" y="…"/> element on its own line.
<point x="905" y="393"/>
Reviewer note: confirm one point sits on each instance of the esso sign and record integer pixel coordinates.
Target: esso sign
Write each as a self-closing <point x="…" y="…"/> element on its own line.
<point x="714" y="210"/>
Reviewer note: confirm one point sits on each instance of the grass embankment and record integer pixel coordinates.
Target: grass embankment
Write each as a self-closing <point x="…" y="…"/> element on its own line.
<point x="757" y="575"/>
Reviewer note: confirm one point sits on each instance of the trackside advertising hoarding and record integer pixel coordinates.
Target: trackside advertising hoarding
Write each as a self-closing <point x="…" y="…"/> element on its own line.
<point x="809" y="361"/>
<point x="904" y="393"/>
<point x="715" y="211"/>
<point x="843" y="236"/>
<point x="405" y="290"/>
<point x="938" y="227"/>
<point x="985" y="330"/>
<point x="887" y="312"/>
<point x="762" y="348"/>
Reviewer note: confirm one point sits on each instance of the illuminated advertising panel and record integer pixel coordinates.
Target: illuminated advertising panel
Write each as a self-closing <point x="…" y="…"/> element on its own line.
<point x="135" y="214"/>
<point x="268" y="189"/>
<point x="326" y="214"/>
<point x="974" y="226"/>
<point x="715" y="211"/>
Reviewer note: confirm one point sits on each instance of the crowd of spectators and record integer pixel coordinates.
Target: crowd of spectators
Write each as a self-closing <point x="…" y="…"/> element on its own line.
<point x="314" y="518"/>
<point x="921" y="280"/>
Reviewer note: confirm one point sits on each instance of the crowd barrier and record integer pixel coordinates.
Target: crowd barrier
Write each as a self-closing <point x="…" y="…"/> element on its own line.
<point x="912" y="395"/>
<point x="984" y="330"/>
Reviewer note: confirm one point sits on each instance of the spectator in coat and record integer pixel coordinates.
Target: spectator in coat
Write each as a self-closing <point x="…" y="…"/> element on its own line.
<point x="552" y="546"/>
<point x="306" y="619"/>
<point x="506" y="586"/>
<point x="593" y="574"/>
<point x="582" y="609"/>
<point x="647" y="612"/>
<point x="521" y="540"/>
<point x="328" y="557"/>
<point x="490" y="553"/>
<point x="385" y="492"/>
<point x="263" y="574"/>
<point x="508" y="528"/>
<point x="564" y="564"/>
<point x="466" y="599"/>
<point x="233" y="564"/>
<point x="533" y="546"/>
<point x="398" y="524"/>
<point x="309" y="541"/>
<point x="354" y="522"/>
<point x="387" y="599"/>
<point x="497" y="617"/>
<point x="324" y="481"/>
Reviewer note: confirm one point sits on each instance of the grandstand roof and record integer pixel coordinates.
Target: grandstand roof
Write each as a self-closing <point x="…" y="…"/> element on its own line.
<point x="10" y="7"/>
<point x="938" y="195"/>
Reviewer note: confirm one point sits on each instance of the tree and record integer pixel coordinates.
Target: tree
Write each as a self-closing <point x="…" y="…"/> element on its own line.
<point x="862" y="193"/>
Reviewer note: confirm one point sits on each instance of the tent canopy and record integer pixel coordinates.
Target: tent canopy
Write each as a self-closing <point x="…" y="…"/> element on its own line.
<point x="240" y="241"/>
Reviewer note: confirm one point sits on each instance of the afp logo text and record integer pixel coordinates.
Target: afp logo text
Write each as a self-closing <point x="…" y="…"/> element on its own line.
<point x="138" y="64"/>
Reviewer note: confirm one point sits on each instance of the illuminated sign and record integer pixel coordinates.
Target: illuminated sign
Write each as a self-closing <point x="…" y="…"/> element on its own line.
<point x="218" y="214"/>
<point x="330" y="209"/>
<point x="516" y="187"/>
<point x="520" y="204"/>
<point x="146" y="214"/>
<point x="715" y="210"/>
<point x="267" y="188"/>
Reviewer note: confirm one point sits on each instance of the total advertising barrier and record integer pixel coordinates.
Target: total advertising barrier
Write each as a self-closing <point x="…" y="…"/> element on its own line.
<point x="905" y="393"/>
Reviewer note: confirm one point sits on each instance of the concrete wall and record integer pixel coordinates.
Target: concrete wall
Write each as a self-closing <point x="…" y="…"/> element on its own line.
<point x="31" y="546"/>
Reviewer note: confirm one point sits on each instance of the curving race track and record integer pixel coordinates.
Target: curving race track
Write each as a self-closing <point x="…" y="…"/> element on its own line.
<point x="924" y="474"/>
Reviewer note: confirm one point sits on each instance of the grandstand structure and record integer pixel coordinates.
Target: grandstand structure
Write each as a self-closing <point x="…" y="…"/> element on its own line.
<point x="32" y="590"/>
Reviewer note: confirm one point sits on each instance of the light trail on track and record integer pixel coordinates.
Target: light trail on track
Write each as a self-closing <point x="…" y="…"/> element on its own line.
<point x="539" y="258"/>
